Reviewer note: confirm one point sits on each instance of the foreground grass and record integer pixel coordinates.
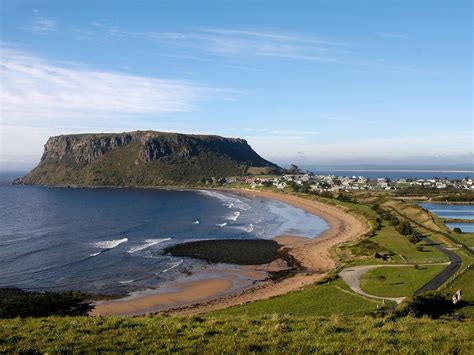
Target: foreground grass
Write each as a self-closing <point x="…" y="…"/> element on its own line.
<point x="317" y="300"/>
<point x="242" y="334"/>
<point x="398" y="281"/>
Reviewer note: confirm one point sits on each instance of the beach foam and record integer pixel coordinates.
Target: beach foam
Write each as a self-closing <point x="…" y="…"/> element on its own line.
<point x="234" y="216"/>
<point x="229" y="201"/>
<point x="248" y="228"/>
<point x="110" y="244"/>
<point x="173" y="265"/>
<point x="148" y="243"/>
<point x="126" y="282"/>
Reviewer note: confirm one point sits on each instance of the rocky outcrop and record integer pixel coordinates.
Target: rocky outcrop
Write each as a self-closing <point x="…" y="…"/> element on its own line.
<point x="142" y="157"/>
<point x="83" y="149"/>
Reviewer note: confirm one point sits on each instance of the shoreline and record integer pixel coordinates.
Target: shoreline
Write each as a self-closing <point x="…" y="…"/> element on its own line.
<point x="312" y="255"/>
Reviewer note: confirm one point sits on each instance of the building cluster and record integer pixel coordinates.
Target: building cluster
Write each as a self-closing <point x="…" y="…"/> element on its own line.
<point x="333" y="183"/>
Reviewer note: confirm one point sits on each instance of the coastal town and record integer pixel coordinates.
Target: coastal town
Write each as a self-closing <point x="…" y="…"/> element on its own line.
<point x="334" y="183"/>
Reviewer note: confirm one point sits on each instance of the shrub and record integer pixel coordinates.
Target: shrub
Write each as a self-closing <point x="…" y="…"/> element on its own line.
<point x="415" y="237"/>
<point x="19" y="303"/>
<point x="404" y="228"/>
<point x="431" y="304"/>
<point x="457" y="230"/>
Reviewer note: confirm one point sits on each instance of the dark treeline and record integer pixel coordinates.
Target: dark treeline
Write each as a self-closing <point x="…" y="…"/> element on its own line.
<point x="15" y="302"/>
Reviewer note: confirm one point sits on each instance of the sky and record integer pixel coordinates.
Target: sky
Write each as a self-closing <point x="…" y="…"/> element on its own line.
<point x="305" y="82"/>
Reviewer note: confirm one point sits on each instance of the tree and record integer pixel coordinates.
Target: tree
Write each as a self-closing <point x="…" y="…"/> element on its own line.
<point x="404" y="228"/>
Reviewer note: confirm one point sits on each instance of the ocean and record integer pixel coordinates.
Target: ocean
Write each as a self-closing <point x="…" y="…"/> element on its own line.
<point x="110" y="241"/>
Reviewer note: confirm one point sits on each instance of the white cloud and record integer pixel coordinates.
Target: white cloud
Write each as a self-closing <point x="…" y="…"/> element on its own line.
<point x="42" y="25"/>
<point x="241" y="42"/>
<point x="35" y="91"/>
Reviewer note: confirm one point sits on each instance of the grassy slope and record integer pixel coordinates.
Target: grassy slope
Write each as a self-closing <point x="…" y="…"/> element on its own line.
<point x="242" y="334"/>
<point x="466" y="238"/>
<point x="405" y="251"/>
<point x="398" y="281"/>
<point x="322" y="300"/>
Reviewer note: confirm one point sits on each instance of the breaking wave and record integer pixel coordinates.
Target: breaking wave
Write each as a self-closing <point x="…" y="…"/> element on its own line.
<point x="148" y="243"/>
<point x="248" y="228"/>
<point x="109" y="244"/>
<point x="229" y="201"/>
<point x="126" y="282"/>
<point x="234" y="216"/>
<point x="221" y="224"/>
<point x="173" y="265"/>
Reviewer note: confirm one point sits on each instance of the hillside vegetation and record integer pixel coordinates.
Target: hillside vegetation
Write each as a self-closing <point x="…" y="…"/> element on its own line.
<point x="236" y="334"/>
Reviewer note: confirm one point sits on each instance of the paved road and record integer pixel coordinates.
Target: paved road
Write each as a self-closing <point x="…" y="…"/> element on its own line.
<point x="444" y="275"/>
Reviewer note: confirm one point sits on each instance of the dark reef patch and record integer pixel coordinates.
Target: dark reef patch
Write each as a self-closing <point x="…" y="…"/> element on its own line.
<point x="230" y="251"/>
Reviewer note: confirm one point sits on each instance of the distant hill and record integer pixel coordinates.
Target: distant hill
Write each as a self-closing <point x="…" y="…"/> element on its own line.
<point x="144" y="158"/>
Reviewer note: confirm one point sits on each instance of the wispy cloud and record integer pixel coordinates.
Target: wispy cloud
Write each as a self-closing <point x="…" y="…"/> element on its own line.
<point x="42" y="25"/>
<point x="392" y="35"/>
<point x="34" y="90"/>
<point x="249" y="43"/>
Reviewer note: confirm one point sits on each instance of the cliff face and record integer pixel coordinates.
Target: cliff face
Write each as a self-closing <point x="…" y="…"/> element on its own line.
<point x="143" y="158"/>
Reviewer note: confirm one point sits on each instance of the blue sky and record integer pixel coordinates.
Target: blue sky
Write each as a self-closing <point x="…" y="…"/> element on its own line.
<point x="311" y="82"/>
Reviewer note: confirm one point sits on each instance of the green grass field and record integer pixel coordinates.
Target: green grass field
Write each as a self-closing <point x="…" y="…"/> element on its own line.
<point x="319" y="300"/>
<point x="398" y="281"/>
<point x="405" y="251"/>
<point x="235" y="334"/>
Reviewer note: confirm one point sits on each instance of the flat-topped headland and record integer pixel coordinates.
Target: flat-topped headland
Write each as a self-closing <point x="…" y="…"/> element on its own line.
<point x="144" y="158"/>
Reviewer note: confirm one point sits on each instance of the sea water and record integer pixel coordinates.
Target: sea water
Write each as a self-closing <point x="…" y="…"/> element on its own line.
<point x="105" y="240"/>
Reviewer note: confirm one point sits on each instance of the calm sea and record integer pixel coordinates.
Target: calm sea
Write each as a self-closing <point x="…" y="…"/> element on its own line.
<point x="111" y="240"/>
<point x="453" y="211"/>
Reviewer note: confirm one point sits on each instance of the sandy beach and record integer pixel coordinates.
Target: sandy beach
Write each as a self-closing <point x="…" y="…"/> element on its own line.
<point x="202" y="296"/>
